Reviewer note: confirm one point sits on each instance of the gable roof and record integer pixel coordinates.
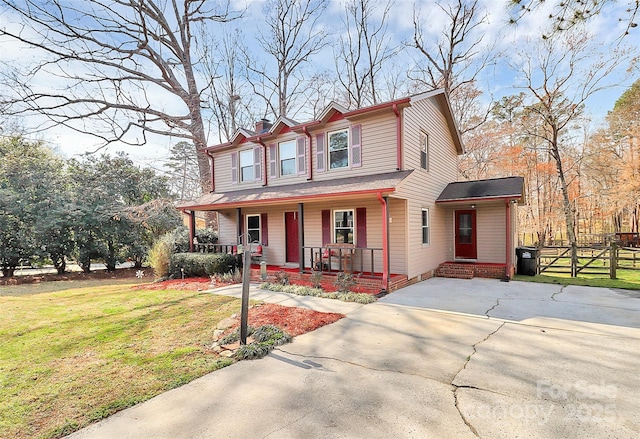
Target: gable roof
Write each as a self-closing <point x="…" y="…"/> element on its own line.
<point x="442" y="98"/>
<point x="350" y="186"/>
<point x="241" y="135"/>
<point x="495" y="188"/>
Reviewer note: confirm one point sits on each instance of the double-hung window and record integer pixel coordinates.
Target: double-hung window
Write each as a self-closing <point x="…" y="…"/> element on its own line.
<point x="424" y="150"/>
<point x="425" y="226"/>
<point x="253" y="228"/>
<point x="343" y="226"/>
<point x="246" y="165"/>
<point x="287" y="156"/>
<point x="338" y="149"/>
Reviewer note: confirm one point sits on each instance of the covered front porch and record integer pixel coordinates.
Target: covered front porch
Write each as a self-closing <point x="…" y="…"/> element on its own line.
<point x="326" y="227"/>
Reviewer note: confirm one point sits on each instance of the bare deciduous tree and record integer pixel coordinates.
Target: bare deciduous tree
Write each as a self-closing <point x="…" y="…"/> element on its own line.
<point x="293" y="34"/>
<point x="228" y="95"/>
<point x="118" y="70"/>
<point x="455" y="60"/>
<point x="556" y="97"/>
<point x="364" y="49"/>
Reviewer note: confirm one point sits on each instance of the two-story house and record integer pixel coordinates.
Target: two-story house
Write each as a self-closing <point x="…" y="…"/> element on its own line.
<point x="366" y="191"/>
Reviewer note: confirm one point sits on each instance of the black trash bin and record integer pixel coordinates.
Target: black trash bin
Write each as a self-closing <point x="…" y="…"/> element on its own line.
<point x="527" y="261"/>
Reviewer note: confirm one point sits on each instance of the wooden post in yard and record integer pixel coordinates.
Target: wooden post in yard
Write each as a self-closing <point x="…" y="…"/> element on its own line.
<point x="614" y="260"/>
<point x="246" y="278"/>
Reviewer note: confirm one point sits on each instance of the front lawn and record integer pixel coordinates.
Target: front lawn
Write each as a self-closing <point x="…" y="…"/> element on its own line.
<point x="72" y="357"/>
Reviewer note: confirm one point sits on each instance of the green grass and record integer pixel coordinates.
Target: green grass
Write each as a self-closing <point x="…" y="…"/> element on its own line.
<point x="60" y="285"/>
<point x="626" y="279"/>
<point x="75" y="356"/>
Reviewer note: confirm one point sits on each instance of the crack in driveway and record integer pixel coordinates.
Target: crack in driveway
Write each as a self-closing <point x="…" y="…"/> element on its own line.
<point x="454" y="387"/>
<point x="464" y="366"/>
<point x="553" y="296"/>
<point x="295" y="421"/>
<point x="486" y="313"/>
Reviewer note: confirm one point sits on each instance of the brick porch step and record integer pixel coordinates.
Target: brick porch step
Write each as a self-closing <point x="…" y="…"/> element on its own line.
<point x="456" y="271"/>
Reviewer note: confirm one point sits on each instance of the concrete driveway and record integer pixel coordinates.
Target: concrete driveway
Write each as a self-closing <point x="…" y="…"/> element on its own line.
<point x="443" y="358"/>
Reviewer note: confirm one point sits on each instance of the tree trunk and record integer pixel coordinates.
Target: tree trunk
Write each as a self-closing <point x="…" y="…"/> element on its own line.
<point x="566" y="202"/>
<point x="59" y="263"/>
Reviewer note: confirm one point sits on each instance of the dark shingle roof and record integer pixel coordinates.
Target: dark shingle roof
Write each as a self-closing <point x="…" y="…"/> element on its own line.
<point x="507" y="187"/>
<point x="299" y="191"/>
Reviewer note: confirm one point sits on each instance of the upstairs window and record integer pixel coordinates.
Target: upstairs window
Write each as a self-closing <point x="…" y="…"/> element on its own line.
<point x="287" y="155"/>
<point x="338" y="149"/>
<point x="424" y="150"/>
<point x="343" y="226"/>
<point x="246" y="165"/>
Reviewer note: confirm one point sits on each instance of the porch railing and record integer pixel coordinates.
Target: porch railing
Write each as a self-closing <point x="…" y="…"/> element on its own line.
<point x="217" y="248"/>
<point x="357" y="260"/>
<point x="363" y="261"/>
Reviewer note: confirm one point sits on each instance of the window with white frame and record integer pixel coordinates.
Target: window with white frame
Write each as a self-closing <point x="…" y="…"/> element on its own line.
<point x="246" y="165"/>
<point x="424" y="150"/>
<point x="425" y="226"/>
<point x="343" y="226"/>
<point x="338" y="149"/>
<point x="287" y="157"/>
<point x="253" y="228"/>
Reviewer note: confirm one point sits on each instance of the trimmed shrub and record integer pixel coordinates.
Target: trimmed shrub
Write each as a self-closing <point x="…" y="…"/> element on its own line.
<point x="344" y="282"/>
<point x="201" y="264"/>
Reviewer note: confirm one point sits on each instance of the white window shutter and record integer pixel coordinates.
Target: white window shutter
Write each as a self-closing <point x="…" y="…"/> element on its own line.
<point x="320" y="160"/>
<point x="301" y="146"/>
<point x="234" y="167"/>
<point x="273" y="161"/>
<point x="356" y="146"/>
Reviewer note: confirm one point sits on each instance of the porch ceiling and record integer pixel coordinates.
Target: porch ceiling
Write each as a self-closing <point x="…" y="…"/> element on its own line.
<point x="314" y="190"/>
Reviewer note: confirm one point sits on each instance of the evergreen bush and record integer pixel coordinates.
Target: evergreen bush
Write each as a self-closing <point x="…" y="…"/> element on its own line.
<point x="201" y="264"/>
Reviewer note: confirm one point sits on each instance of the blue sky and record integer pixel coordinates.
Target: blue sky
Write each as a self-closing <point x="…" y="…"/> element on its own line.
<point x="496" y="81"/>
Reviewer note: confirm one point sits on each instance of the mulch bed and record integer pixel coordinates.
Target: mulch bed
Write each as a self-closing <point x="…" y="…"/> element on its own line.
<point x="188" y="284"/>
<point x="294" y="321"/>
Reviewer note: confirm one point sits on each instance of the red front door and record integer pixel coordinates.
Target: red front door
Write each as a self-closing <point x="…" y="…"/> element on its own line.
<point x="291" y="237"/>
<point x="466" y="234"/>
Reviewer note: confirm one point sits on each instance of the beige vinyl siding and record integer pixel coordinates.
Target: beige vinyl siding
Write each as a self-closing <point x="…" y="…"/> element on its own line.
<point x="313" y="226"/>
<point x="378" y="139"/>
<point x="287" y="179"/>
<point x="275" y="252"/>
<point x="397" y="232"/>
<point x="227" y="227"/>
<point x="491" y="233"/>
<point x="422" y="187"/>
<point x="222" y="169"/>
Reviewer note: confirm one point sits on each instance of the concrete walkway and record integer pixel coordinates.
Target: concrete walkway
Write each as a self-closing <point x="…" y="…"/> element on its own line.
<point x="399" y="369"/>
